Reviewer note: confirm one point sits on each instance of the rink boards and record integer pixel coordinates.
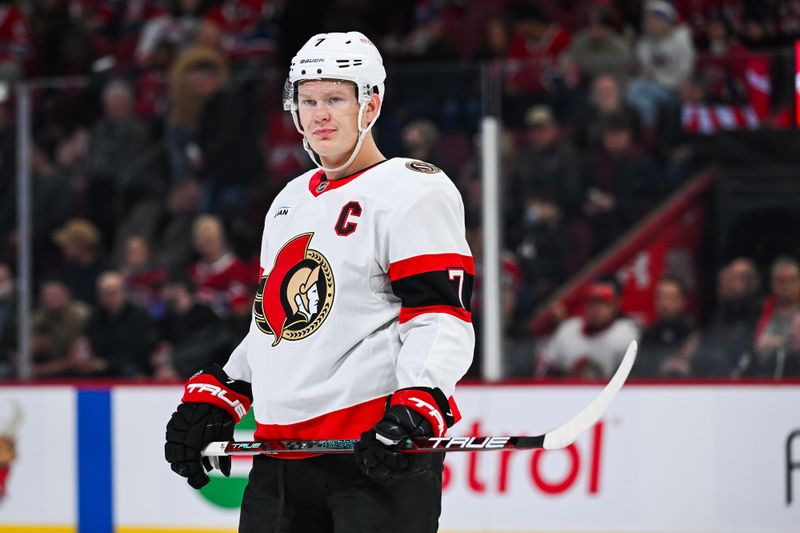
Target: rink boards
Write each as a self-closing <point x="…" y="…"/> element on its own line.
<point x="684" y="459"/>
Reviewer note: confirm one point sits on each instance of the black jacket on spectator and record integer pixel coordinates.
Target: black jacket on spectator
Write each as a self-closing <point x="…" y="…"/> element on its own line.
<point x="552" y="174"/>
<point x="81" y="279"/>
<point x="115" y="145"/>
<point x="198" y="338"/>
<point x="124" y="340"/>
<point x="727" y="339"/>
<point x="228" y="139"/>
<point x="633" y="179"/>
<point x="660" y="341"/>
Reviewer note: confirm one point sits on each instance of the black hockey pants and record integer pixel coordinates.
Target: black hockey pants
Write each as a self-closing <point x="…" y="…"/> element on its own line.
<point x="329" y="494"/>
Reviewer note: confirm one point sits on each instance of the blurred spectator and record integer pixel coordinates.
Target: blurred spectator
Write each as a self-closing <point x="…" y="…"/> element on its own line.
<point x="193" y="335"/>
<point x="186" y="104"/>
<point x="151" y="86"/>
<point x="729" y="335"/>
<point x="605" y="97"/>
<point x="420" y="137"/>
<point x="665" y="53"/>
<point x="241" y="24"/>
<point x="592" y="345"/>
<point x="496" y="40"/>
<point x="724" y="62"/>
<point x="780" y="307"/>
<point x="178" y="25"/>
<point x="223" y="281"/>
<point x="15" y="41"/>
<point x="64" y="44"/>
<point x="79" y="241"/>
<point x="120" y="336"/>
<point x="770" y="23"/>
<point x="538" y="43"/>
<point x="167" y="226"/>
<point x="143" y="279"/>
<point x="59" y="321"/>
<point x="545" y="189"/>
<point x="622" y="182"/>
<point x="226" y="155"/>
<point x="668" y="344"/>
<point x="775" y="350"/>
<point x="426" y="42"/>
<point x="52" y="203"/>
<point x="599" y="49"/>
<point x="114" y="163"/>
<point x="8" y="321"/>
<point x="790" y="366"/>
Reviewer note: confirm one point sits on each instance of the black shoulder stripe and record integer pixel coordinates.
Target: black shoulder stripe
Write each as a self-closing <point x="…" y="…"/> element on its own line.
<point x="435" y="288"/>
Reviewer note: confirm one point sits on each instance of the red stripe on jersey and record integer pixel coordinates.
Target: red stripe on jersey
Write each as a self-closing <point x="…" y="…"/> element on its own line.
<point x="347" y="423"/>
<point x="408" y="313"/>
<point x="430" y="263"/>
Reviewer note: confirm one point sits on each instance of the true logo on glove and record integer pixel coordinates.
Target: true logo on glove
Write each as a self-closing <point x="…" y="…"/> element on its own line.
<point x="433" y="411"/>
<point x="220" y="393"/>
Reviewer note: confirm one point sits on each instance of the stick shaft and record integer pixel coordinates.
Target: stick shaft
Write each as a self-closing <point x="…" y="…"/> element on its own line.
<point x="346" y="446"/>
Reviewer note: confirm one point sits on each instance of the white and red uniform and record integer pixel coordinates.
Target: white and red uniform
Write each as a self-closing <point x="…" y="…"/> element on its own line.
<point x="573" y="346"/>
<point x="365" y="289"/>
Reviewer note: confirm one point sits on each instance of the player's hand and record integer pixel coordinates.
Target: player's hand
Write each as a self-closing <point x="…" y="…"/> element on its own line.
<point x="378" y="452"/>
<point x="213" y="403"/>
<point x="411" y="413"/>
<point x="191" y="428"/>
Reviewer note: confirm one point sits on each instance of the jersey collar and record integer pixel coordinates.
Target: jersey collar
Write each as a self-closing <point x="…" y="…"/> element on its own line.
<point x="319" y="183"/>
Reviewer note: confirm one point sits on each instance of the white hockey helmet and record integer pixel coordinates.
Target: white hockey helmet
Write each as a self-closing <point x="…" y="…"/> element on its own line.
<point x="347" y="56"/>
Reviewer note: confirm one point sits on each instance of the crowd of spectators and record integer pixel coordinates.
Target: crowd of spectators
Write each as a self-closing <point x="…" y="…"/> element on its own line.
<point x="751" y="334"/>
<point x="152" y="173"/>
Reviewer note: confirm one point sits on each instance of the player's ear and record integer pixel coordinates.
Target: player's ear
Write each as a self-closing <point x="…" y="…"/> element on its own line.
<point x="371" y="111"/>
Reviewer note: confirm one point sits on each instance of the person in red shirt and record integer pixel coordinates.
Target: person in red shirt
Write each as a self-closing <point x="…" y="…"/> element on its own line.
<point x="15" y="41"/>
<point x="223" y="281"/>
<point x="537" y="45"/>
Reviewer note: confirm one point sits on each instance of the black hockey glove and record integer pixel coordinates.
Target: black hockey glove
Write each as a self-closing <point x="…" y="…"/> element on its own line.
<point x="414" y="412"/>
<point x="212" y="405"/>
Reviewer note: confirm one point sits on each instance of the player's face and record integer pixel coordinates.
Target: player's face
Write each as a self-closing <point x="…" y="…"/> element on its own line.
<point x="329" y="115"/>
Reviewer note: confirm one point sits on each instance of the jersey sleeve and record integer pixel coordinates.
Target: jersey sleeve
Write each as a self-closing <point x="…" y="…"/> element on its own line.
<point x="431" y="270"/>
<point x="237" y="366"/>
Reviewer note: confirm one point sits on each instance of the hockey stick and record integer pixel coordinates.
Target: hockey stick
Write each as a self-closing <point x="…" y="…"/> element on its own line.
<point x="558" y="438"/>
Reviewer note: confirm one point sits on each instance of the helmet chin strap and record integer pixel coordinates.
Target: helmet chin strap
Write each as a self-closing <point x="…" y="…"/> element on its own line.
<point x="362" y="133"/>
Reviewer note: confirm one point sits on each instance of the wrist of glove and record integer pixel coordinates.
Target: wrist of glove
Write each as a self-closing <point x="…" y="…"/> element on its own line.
<point x="410" y="413"/>
<point x="212" y="405"/>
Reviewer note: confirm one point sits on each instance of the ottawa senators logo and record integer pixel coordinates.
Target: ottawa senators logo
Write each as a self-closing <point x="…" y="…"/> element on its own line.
<point x="294" y="299"/>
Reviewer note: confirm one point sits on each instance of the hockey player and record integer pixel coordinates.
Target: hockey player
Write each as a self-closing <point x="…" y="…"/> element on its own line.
<point x="361" y="324"/>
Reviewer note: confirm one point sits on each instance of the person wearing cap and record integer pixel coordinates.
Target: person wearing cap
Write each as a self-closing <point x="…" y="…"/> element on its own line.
<point x="361" y="325"/>
<point x="545" y="180"/>
<point x="666" y="55"/>
<point x="590" y="345"/>
<point x="79" y="241"/>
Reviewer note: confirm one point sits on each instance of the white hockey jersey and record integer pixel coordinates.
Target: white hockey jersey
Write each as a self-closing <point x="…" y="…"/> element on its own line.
<point x="365" y="289"/>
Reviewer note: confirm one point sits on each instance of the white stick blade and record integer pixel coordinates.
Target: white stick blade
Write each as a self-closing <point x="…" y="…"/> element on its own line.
<point x="566" y="434"/>
<point x="215" y="449"/>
